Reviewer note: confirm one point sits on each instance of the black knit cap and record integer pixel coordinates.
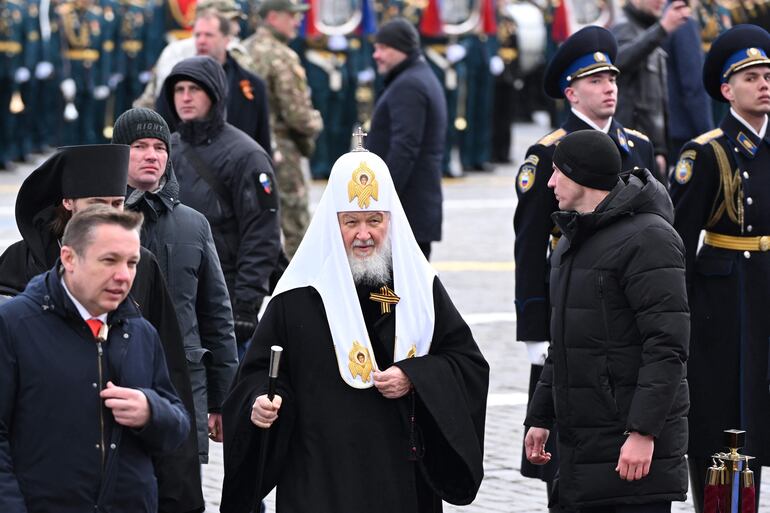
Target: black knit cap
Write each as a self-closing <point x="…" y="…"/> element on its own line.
<point x="589" y="158"/>
<point x="140" y="123"/>
<point x="398" y="33"/>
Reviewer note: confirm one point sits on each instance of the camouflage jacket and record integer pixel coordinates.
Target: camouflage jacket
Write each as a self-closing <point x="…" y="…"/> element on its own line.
<point x="292" y="115"/>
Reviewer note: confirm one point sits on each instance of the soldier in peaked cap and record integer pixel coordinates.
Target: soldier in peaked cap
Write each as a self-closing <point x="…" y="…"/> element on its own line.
<point x="721" y="184"/>
<point x="72" y="179"/>
<point x="581" y="71"/>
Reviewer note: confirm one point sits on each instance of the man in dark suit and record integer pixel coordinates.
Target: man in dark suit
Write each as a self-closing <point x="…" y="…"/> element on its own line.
<point x="409" y="126"/>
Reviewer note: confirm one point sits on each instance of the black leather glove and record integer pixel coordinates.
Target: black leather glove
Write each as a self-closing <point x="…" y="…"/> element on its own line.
<point x="245" y="324"/>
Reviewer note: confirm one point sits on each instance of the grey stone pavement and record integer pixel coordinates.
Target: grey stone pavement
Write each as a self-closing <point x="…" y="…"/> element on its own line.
<point x="475" y="262"/>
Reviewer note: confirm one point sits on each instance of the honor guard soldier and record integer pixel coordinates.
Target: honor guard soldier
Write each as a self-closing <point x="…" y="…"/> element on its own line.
<point x="721" y="185"/>
<point x="44" y="45"/>
<point x="582" y="72"/>
<point x="84" y="73"/>
<point x="325" y="52"/>
<point x="104" y="112"/>
<point x="13" y="74"/>
<point x="133" y="62"/>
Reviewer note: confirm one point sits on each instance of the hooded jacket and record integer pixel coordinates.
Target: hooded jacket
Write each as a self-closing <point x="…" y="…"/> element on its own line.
<point x="620" y="331"/>
<point x="178" y="476"/>
<point x="52" y="418"/>
<point x="245" y="224"/>
<point x="181" y="239"/>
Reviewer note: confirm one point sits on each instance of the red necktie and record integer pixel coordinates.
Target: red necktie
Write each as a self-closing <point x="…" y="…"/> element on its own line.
<point x="95" y="325"/>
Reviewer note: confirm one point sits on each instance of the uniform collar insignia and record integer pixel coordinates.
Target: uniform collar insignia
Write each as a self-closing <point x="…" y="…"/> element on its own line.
<point x="385" y="298"/>
<point x="622" y="140"/>
<point x="745" y="141"/>
<point x="363" y="185"/>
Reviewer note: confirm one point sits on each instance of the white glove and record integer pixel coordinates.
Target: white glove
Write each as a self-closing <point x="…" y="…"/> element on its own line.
<point x="101" y="92"/>
<point x="68" y="88"/>
<point x="145" y="76"/>
<point x="496" y="65"/>
<point x="114" y="80"/>
<point x="337" y="43"/>
<point x="365" y="76"/>
<point x="70" y="112"/>
<point x="22" y="75"/>
<point x="43" y="70"/>
<point x="455" y="53"/>
<point x="537" y="352"/>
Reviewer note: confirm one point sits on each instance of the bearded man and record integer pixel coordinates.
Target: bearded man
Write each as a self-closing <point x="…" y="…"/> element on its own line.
<point x="382" y="391"/>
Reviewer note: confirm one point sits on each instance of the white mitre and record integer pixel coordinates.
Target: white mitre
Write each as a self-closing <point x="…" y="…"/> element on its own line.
<point x="322" y="263"/>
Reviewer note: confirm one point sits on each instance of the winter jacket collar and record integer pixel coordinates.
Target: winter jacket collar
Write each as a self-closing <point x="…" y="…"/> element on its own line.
<point x="153" y="204"/>
<point x="406" y="63"/>
<point x="637" y="192"/>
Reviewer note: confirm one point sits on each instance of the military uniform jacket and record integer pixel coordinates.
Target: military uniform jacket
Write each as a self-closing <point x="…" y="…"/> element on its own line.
<point x="533" y="225"/>
<point x="292" y="116"/>
<point x="722" y="184"/>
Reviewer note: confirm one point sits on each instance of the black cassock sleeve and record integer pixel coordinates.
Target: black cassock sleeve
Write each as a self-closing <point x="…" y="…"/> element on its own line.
<point x="451" y="385"/>
<point x="241" y="437"/>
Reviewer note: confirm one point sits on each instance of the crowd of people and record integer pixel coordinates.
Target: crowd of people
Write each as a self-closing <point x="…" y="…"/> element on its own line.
<point x="151" y="241"/>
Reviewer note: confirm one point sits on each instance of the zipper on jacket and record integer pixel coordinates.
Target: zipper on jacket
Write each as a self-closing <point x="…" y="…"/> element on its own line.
<point x="610" y="381"/>
<point x="99" y="363"/>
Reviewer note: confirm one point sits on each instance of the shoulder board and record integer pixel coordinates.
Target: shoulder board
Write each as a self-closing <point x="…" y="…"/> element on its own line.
<point x="708" y="136"/>
<point x="636" y="133"/>
<point x="553" y="137"/>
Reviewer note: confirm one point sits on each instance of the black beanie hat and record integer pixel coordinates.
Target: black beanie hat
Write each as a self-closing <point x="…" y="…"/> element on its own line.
<point x="398" y="33"/>
<point x="589" y="158"/>
<point x="139" y="124"/>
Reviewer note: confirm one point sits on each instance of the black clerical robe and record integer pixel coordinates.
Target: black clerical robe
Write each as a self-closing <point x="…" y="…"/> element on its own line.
<point x="338" y="449"/>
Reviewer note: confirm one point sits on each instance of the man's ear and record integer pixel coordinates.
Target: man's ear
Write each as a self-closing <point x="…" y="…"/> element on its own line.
<point x="570" y="95"/>
<point x="68" y="256"/>
<point x="68" y="203"/>
<point x="727" y="91"/>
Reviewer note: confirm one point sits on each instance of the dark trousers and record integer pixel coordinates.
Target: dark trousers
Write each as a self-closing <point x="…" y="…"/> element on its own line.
<point x="698" y="468"/>
<point x="657" y="507"/>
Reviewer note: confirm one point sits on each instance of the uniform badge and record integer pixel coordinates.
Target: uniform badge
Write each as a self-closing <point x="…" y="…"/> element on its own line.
<point x="747" y="143"/>
<point x="246" y="89"/>
<point x="526" y="178"/>
<point x="683" y="171"/>
<point x="360" y="363"/>
<point x="599" y="57"/>
<point x="622" y="140"/>
<point x="363" y="185"/>
<point x="265" y="182"/>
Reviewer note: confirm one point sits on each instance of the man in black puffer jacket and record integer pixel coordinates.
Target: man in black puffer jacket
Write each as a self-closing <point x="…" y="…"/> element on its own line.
<point x="181" y="240"/>
<point x="615" y="378"/>
<point x="229" y="178"/>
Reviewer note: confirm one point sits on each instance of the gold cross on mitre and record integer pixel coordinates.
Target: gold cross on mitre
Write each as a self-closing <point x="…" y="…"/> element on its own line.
<point x="358" y="139"/>
<point x="385" y="298"/>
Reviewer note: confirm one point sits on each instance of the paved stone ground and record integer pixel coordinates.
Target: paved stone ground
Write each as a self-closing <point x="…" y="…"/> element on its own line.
<point x="475" y="261"/>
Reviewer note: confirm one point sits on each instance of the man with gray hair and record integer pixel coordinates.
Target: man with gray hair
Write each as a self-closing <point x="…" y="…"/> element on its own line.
<point x="379" y="369"/>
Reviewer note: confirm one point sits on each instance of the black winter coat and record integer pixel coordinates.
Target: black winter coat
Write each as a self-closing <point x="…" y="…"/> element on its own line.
<point x="181" y="240"/>
<point x="245" y="224"/>
<point x="51" y="412"/>
<point x="620" y="328"/>
<point x="409" y="132"/>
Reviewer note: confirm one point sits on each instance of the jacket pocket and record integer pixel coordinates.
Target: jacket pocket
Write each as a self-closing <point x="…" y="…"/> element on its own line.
<point x="197" y="355"/>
